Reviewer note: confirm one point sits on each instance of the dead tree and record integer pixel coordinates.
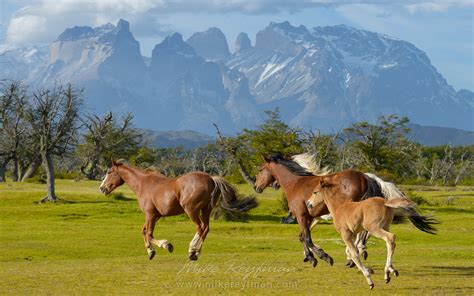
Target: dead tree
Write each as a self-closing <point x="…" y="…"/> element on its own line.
<point x="105" y="139"/>
<point x="231" y="148"/>
<point x="15" y="133"/>
<point x="54" y="116"/>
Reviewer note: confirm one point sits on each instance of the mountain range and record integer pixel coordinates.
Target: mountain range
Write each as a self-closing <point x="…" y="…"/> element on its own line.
<point x="320" y="78"/>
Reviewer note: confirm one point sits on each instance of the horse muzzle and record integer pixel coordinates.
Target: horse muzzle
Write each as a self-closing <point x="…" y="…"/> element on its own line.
<point x="309" y="204"/>
<point x="258" y="189"/>
<point x="104" y="190"/>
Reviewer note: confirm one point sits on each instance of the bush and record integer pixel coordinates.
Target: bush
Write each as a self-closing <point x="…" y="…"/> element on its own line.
<point x="36" y="180"/>
<point x="225" y="215"/>
<point x="66" y="175"/>
<point x="283" y="202"/>
<point x="419" y="200"/>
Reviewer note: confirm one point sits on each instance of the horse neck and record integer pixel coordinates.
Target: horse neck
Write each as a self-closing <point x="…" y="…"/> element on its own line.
<point x="332" y="200"/>
<point x="131" y="176"/>
<point x="285" y="178"/>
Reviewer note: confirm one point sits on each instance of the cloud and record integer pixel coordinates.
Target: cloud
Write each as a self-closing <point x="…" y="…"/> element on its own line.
<point x="43" y="20"/>
<point x="438" y="6"/>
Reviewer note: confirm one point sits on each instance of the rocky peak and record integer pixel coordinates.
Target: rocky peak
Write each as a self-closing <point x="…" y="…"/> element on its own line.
<point x="284" y="38"/>
<point x="210" y="44"/>
<point x="242" y="42"/>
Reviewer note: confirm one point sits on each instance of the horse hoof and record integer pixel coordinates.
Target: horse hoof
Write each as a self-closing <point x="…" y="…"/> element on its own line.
<point x="151" y="254"/>
<point x="352" y="264"/>
<point x="193" y="257"/>
<point x="170" y="248"/>
<point x="365" y="255"/>
<point x="395" y="272"/>
<point x="349" y="262"/>
<point x="371" y="286"/>
<point x="331" y="261"/>
<point x="370" y="270"/>
<point x="387" y="280"/>
<point x="315" y="262"/>
<point x="305" y="259"/>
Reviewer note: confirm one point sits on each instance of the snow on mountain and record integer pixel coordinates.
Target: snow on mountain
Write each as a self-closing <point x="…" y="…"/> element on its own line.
<point x="328" y="77"/>
<point x="323" y="77"/>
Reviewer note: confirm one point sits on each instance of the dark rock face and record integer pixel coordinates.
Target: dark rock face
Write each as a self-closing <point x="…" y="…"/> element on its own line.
<point x="210" y="44"/>
<point x="322" y="78"/>
<point x="328" y="77"/>
<point x="242" y="43"/>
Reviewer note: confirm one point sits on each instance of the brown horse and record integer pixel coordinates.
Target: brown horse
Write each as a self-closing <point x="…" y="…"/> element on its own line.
<point x="374" y="215"/>
<point x="298" y="184"/>
<point x="195" y="194"/>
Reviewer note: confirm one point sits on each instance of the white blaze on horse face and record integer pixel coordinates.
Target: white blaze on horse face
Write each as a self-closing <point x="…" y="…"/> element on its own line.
<point x="103" y="181"/>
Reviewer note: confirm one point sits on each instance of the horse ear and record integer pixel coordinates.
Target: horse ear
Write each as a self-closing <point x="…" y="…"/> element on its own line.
<point x="266" y="158"/>
<point x="324" y="183"/>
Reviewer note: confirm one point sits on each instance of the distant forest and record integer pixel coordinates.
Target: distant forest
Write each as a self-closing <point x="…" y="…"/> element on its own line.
<point x="44" y="135"/>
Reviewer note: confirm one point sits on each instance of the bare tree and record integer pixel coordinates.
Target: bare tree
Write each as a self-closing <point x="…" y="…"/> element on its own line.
<point x="106" y="138"/>
<point x="15" y="133"/>
<point x="231" y="146"/>
<point x="54" y="116"/>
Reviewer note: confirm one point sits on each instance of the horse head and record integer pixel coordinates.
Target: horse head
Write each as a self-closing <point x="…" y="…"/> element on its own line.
<point x="112" y="179"/>
<point x="265" y="177"/>
<point x="323" y="183"/>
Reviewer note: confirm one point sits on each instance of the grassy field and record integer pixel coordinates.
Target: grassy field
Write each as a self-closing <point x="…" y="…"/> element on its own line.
<point x="92" y="244"/>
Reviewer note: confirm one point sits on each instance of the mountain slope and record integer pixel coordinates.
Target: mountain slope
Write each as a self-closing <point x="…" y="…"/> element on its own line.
<point x="321" y="78"/>
<point x="327" y="77"/>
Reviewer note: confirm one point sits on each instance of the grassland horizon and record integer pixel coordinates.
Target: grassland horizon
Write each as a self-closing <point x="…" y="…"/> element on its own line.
<point x="91" y="244"/>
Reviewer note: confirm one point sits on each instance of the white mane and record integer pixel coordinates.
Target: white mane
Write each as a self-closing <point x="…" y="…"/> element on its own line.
<point x="308" y="162"/>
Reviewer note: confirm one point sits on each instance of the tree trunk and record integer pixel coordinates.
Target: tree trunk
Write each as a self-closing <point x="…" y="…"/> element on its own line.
<point x="3" y="168"/>
<point x="245" y="174"/>
<point x="30" y="172"/>
<point x="49" y="168"/>
<point x="15" y="170"/>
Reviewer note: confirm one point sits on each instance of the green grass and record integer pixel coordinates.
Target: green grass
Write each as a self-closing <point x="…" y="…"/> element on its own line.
<point x="91" y="244"/>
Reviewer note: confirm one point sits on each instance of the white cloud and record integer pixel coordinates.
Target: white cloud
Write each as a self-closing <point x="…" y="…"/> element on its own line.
<point x="44" y="20"/>
<point x="438" y="6"/>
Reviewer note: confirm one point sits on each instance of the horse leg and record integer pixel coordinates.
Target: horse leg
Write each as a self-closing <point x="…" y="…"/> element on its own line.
<point x="313" y="224"/>
<point x="147" y="231"/>
<point x="361" y="243"/>
<point x="305" y="238"/>
<point x="347" y="237"/>
<point x="389" y="239"/>
<point x="303" y="222"/>
<point x="193" y="245"/>
<point x="162" y="243"/>
<point x="205" y="216"/>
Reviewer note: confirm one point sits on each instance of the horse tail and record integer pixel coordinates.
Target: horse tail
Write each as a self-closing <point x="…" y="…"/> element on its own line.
<point x="379" y="187"/>
<point x="407" y="209"/>
<point x="229" y="197"/>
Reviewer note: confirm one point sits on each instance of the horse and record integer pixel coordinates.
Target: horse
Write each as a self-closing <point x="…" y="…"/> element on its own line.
<point x="195" y="194"/>
<point x="293" y="175"/>
<point x="373" y="215"/>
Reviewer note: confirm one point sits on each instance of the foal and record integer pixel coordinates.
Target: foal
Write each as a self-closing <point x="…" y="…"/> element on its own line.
<point x="373" y="215"/>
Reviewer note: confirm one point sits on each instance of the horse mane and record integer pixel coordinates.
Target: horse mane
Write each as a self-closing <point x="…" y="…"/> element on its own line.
<point x="291" y="165"/>
<point x="308" y="162"/>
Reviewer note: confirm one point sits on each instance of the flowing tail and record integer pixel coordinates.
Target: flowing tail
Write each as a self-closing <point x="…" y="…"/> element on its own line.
<point x="229" y="197"/>
<point x="407" y="209"/>
<point x="379" y="187"/>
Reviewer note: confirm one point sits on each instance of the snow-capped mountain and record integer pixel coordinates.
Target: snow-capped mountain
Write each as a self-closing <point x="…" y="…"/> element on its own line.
<point x="324" y="77"/>
<point x="327" y="77"/>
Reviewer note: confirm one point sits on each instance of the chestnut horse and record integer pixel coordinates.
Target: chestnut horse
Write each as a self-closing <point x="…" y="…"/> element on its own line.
<point x="374" y="215"/>
<point x="195" y="194"/>
<point x="298" y="184"/>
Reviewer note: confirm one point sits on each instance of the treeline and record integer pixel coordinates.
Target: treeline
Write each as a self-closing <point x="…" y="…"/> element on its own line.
<point x="44" y="135"/>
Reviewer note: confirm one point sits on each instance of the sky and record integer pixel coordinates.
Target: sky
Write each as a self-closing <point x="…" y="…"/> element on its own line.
<point x="443" y="29"/>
